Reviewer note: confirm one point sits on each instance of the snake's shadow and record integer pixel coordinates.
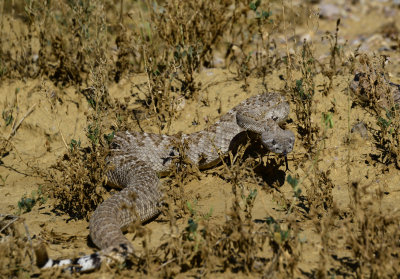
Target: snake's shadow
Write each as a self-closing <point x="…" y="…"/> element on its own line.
<point x="271" y="173"/>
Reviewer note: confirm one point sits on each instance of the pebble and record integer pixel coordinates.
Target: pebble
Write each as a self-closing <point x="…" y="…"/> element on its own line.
<point x="361" y="129"/>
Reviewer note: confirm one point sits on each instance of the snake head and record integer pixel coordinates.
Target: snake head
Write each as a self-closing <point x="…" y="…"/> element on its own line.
<point x="278" y="140"/>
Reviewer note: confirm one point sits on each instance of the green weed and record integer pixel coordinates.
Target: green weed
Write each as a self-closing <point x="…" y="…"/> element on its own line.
<point x="27" y="203"/>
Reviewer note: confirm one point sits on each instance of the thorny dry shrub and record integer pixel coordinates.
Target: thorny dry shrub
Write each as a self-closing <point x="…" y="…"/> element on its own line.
<point x="302" y="91"/>
<point x="373" y="234"/>
<point x="372" y="86"/>
<point x="319" y="194"/>
<point x="371" y="83"/>
<point x="77" y="180"/>
<point x="16" y="254"/>
<point x="62" y="52"/>
<point x="189" y="30"/>
<point x="303" y="69"/>
<point x="318" y="199"/>
<point x="234" y="245"/>
<point x="80" y="188"/>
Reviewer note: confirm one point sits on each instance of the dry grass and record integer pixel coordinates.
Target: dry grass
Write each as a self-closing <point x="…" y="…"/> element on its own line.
<point x="93" y="45"/>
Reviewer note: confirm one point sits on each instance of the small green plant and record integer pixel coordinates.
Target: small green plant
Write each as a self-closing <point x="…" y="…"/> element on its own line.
<point x="191" y="207"/>
<point x="260" y="14"/>
<point x="303" y="91"/>
<point x="327" y="119"/>
<point x="93" y="133"/>
<point x="193" y="212"/>
<point x="27" y="203"/>
<point x="387" y="122"/>
<point x="280" y="236"/>
<point x="7" y="116"/>
<point x="74" y="144"/>
<point x="251" y="196"/>
<point x="109" y="137"/>
<point x="191" y="229"/>
<point x="327" y="122"/>
<point x="294" y="182"/>
<point x="187" y="59"/>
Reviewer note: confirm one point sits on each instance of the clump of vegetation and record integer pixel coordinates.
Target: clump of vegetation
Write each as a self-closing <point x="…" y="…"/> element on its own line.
<point x="80" y="190"/>
<point x="373" y="87"/>
<point x="303" y="91"/>
<point x="372" y="235"/>
<point x="26" y="203"/>
<point x="16" y="253"/>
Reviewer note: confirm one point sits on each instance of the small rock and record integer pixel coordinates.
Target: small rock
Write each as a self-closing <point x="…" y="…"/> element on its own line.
<point x="329" y="11"/>
<point x="361" y="129"/>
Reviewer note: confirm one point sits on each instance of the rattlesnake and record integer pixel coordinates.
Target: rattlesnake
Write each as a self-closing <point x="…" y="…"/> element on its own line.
<point x="139" y="158"/>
